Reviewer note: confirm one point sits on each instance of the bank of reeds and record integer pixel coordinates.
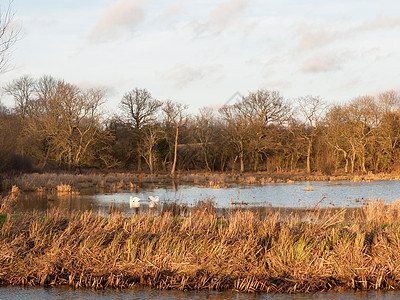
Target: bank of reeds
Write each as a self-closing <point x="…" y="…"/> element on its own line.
<point x="54" y="182"/>
<point x="114" y="182"/>
<point x="242" y="251"/>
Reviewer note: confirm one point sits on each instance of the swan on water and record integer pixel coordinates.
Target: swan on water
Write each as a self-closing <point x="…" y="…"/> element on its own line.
<point x="134" y="202"/>
<point x="156" y="199"/>
<point x="153" y="201"/>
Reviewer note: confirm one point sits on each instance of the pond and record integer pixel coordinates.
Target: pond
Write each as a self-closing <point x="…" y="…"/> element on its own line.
<point x="145" y="293"/>
<point x="297" y="195"/>
<point x="282" y="195"/>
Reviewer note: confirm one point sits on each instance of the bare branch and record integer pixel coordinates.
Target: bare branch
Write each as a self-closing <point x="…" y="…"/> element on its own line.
<point x="9" y="32"/>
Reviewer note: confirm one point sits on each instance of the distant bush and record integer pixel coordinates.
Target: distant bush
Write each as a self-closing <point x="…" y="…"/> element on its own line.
<point x="19" y="163"/>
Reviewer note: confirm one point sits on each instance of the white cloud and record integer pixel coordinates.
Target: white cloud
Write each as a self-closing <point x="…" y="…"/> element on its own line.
<point x="122" y="17"/>
<point x="327" y="61"/>
<point x="88" y="84"/>
<point x="380" y="22"/>
<point x="316" y="35"/>
<point x="321" y="34"/>
<point x="320" y="64"/>
<point x="314" y="39"/>
<point x="183" y="75"/>
<point x="355" y="81"/>
<point x="171" y="13"/>
<point x="278" y="85"/>
<point x="227" y="13"/>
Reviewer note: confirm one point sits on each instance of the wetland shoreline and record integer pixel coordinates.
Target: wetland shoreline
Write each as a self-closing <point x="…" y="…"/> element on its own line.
<point x="114" y="182"/>
<point x="268" y="249"/>
<point x="243" y="251"/>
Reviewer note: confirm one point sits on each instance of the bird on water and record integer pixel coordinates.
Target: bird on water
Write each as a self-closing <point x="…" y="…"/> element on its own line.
<point x="153" y="201"/>
<point x="134" y="202"/>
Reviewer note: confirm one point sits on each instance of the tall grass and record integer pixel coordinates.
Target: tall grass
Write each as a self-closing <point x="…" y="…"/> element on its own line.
<point x="241" y="251"/>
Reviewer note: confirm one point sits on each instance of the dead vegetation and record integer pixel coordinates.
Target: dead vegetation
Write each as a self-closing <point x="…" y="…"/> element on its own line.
<point x="116" y="182"/>
<point x="242" y="251"/>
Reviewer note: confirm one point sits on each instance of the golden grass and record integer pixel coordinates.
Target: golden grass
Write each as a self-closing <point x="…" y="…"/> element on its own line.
<point x="15" y="190"/>
<point x="242" y="251"/>
<point x="64" y="189"/>
<point x="8" y="203"/>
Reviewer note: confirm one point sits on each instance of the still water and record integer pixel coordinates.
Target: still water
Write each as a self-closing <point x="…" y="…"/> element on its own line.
<point x="65" y="293"/>
<point x="297" y="195"/>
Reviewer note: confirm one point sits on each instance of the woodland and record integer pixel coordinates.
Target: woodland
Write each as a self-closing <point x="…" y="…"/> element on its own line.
<point x="56" y="125"/>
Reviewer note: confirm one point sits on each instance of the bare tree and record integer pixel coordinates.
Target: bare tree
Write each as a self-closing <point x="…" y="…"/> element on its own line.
<point x="175" y="113"/>
<point x="140" y="109"/>
<point x="9" y="130"/>
<point x="264" y="107"/>
<point x="22" y="90"/>
<point x="388" y="137"/>
<point x="312" y="109"/>
<point x="264" y="110"/>
<point x="60" y="120"/>
<point x="364" y="119"/>
<point x="337" y="132"/>
<point x="237" y="129"/>
<point x="8" y="35"/>
<point x="248" y="122"/>
<point x="151" y="135"/>
<point x="204" y="131"/>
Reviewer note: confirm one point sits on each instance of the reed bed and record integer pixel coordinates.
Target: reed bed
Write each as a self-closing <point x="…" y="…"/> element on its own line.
<point x="61" y="182"/>
<point x="114" y="182"/>
<point x="241" y="251"/>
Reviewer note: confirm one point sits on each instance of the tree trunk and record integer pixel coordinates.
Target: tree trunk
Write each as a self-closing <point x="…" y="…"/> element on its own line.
<point x="206" y="159"/>
<point x="45" y="158"/>
<point x="364" y="170"/>
<point x="241" y="162"/>
<point x="233" y="164"/>
<point x="353" y="158"/>
<point x="291" y="163"/>
<point x="69" y="159"/>
<point x="346" y="158"/>
<point x="256" y="162"/>
<point x="151" y="162"/>
<point x="139" y="157"/>
<point x="175" y="151"/>
<point x="308" y="156"/>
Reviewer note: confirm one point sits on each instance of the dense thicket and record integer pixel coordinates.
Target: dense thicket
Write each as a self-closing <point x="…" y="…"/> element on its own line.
<point x="55" y="124"/>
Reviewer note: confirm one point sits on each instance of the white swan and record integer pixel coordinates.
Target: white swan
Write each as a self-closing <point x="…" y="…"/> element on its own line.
<point x="153" y="201"/>
<point x="156" y="199"/>
<point x="134" y="202"/>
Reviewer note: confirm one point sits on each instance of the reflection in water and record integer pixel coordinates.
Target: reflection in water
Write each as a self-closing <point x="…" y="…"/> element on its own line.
<point x="141" y="293"/>
<point x="298" y="195"/>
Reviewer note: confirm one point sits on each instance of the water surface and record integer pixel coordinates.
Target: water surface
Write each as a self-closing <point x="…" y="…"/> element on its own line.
<point x="146" y="293"/>
<point x="297" y="195"/>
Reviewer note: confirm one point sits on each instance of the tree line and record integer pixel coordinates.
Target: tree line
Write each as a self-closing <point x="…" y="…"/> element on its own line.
<point x="58" y="125"/>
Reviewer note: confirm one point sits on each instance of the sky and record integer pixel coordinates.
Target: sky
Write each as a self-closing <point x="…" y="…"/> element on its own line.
<point x="201" y="53"/>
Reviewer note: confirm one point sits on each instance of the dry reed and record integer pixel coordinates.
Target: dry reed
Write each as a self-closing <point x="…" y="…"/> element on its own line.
<point x="242" y="251"/>
<point x="15" y="190"/>
<point x="8" y="202"/>
<point x="133" y="181"/>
